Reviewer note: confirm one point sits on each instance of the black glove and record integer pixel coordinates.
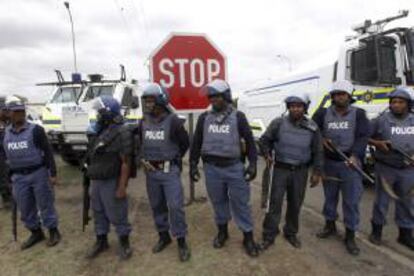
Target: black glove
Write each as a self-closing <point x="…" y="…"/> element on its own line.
<point x="194" y="173"/>
<point x="250" y="172"/>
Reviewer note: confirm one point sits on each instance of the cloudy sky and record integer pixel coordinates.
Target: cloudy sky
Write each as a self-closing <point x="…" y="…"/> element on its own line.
<point x="35" y="35"/>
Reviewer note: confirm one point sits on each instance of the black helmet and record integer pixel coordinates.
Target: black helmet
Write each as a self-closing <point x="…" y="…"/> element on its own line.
<point x="218" y="87"/>
<point x="159" y="92"/>
<point x="298" y="99"/>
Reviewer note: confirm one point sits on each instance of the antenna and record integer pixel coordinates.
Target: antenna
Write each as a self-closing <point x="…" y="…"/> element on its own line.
<point x="59" y="76"/>
<point x="123" y="74"/>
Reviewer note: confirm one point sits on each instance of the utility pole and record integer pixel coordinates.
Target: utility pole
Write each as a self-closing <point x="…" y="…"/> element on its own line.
<point x="75" y="65"/>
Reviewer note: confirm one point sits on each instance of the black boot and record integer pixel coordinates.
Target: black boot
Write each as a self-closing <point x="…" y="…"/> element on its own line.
<point x="54" y="237"/>
<point x="250" y="245"/>
<point x="266" y="243"/>
<point x="7" y="202"/>
<point x="293" y="240"/>
<point x="36" y="237"/>
<point x="183" y="251"/>
<point x="350" y="244"/>
<point x="222" y="236"/>
<point x="328" y="230"/>
<point x="100" y="246"/>
<point x="376" y="234"/>
<point x="125" y="251"/>
<point x="406" y="237"/>
<point x="162" y="243"/>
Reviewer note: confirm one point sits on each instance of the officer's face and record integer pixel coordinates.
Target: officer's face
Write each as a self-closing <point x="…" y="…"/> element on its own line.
<point x="217" y="102"/>
<point x="341" y="99"/>
<point x="149" y="104"/>
<point x="296" y="111"/>
<point x="398" y="106"/>
<point x="18" y="117"/>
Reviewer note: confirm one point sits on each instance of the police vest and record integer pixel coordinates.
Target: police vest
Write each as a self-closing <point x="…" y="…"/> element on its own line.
<point x="400" y="133"/>
<point x="2" y="133"/>
<point x="340" y="129"/>
<point x="105" y="160"/>
<point x="156" y="140"/>
<point x="293" y="145"/>
<point x="221" y="139"/>
<point x="20" y="149"/>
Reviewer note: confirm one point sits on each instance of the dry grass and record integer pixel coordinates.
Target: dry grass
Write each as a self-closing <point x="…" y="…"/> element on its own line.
<point x="68" y="257"/>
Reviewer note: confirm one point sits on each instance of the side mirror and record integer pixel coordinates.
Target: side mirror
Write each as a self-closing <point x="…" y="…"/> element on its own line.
<point x="134" y="102"/>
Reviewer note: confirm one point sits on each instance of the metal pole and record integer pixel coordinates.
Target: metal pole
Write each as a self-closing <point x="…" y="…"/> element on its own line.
<point x="73" y="37"/>
<point x="192" y="197"/>
<point x="191" y="136"/>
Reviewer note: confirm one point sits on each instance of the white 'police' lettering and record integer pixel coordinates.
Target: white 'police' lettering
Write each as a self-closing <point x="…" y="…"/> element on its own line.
<point x="154" y="135"/>
<point x="402" y="130"/>
<point x="338" y="125"/>
<point x="219" y="129"/>
<point x="17" y="145"/>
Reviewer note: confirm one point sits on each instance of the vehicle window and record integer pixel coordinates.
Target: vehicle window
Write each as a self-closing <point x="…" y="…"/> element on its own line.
<point x="66" y="95"/>
<point x="410" y="53"/>
<point x="374" y="63"/>
<point x="127" y="97"/>
<point x="97" y="91"/>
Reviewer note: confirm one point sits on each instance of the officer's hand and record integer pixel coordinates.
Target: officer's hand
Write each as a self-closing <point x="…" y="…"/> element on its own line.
<point x="315" y="180"/>
<point x="250" y="172"/>
<point x="53" y="180"/>
<point x="120" y="192"/>
<point x="194" y="173"/>
<point x="269" y="160"/>
<point x="353" y="161"/>
<point x="383" y="146"/>
<point x="327" y="144"/>
<point x="147" y="166"/>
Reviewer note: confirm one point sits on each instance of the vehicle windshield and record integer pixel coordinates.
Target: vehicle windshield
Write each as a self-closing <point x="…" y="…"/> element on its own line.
<point x="96" y="91"/>
<point x="374" y="63"/>
<point x="410" y="52"/>
<point x="66" y="95"/>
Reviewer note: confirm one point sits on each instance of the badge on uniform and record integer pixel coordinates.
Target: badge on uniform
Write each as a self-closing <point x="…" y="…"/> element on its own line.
<point x="166" y="168"/>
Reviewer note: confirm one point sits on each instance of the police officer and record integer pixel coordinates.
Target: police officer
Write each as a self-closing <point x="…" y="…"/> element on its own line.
<point x="347" y="128"/>
<point x="394" y="128"/>
<point x="109" y="170"/>
<point x="4" y="173"/>
<point x="33" y="174"/>
<point x="217" y="139"/>
<point x="164" y="141"/>
<point x="297" y="143"/>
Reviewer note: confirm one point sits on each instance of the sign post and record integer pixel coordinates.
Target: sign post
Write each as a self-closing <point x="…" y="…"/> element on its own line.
<point x="184" y="63"/>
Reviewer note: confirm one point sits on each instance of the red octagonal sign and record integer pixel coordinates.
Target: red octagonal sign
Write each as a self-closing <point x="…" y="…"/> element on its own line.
<point x="184" y="63"/>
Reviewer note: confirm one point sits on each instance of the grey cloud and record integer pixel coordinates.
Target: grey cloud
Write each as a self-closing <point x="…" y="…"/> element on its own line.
<point x="29" y="34"/>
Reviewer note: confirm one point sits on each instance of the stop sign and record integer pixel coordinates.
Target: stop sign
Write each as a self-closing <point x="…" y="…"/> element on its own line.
<point x="183" y="64"/>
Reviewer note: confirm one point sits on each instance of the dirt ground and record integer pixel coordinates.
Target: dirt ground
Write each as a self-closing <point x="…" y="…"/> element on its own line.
<point x="315" y="258"/>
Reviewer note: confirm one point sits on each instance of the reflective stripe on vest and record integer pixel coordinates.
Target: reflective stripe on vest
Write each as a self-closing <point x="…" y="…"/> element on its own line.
<point x="294" y="144"/>
<point x="221" y="139"/>
<point x="156" y="139"/>
<point x="340" y="129"/>
<point x="20" y="149"/>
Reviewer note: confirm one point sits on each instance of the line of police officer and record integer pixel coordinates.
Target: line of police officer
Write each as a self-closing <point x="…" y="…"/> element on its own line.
<point x="292" y="144"/>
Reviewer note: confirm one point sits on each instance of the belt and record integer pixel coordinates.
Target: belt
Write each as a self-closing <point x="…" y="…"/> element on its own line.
<point x="290" y="167"/>
<point x="160" y="164"/>
<point x="221" y="162"/>
<point x="27" y="170"/>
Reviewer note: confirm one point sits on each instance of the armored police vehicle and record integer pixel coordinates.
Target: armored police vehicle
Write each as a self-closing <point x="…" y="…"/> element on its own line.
<point x="375" y="60"/>
<point x="67" y="127"/>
